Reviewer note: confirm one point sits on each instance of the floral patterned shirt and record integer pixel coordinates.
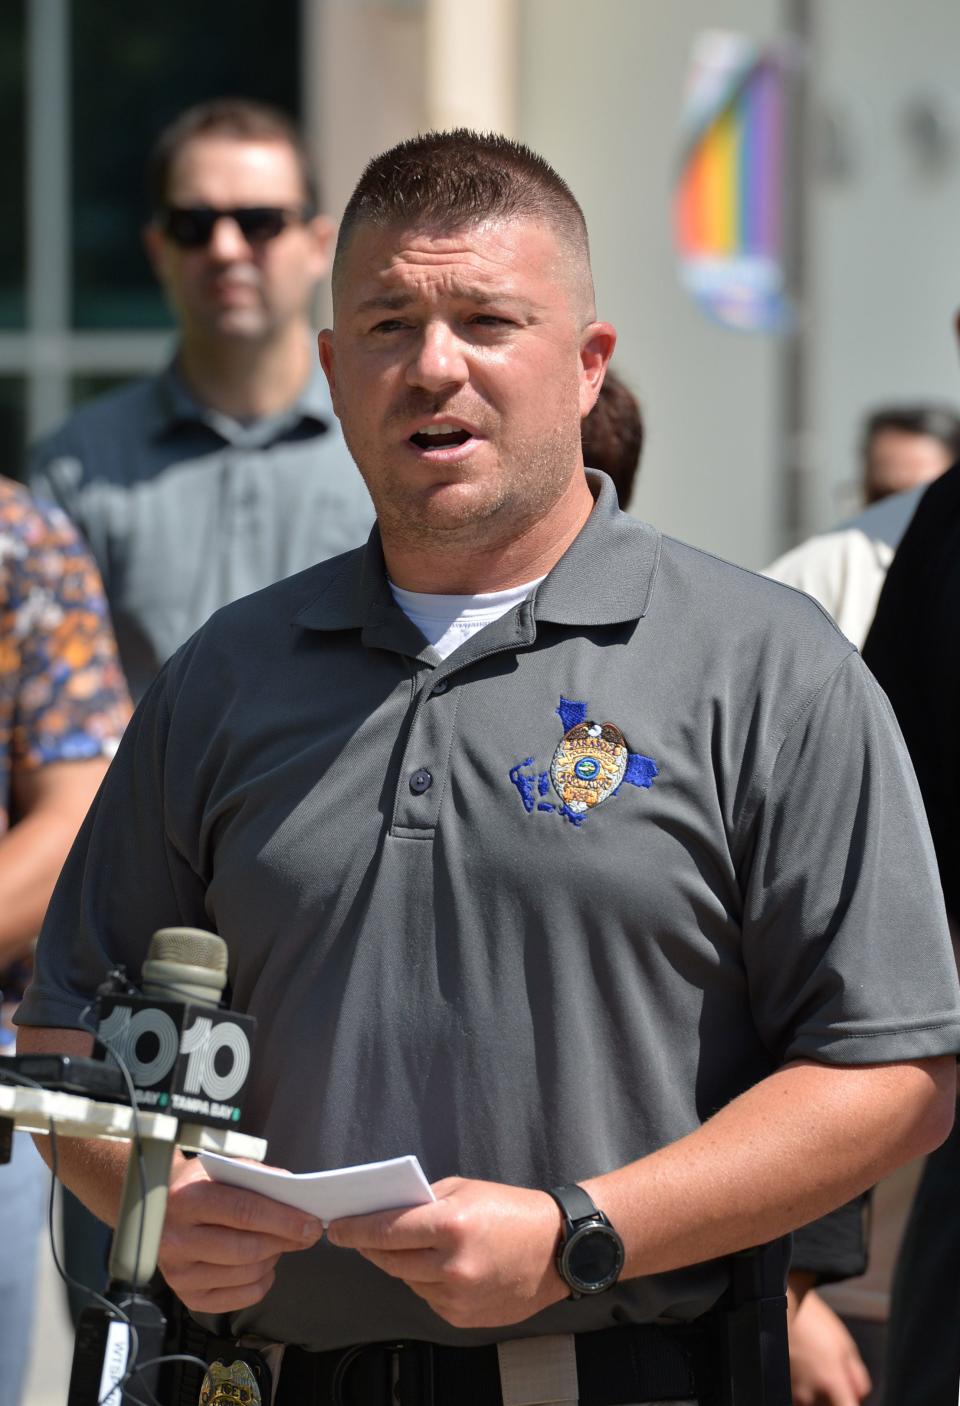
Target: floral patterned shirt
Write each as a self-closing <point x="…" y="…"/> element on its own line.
<point x="62" y="695"/>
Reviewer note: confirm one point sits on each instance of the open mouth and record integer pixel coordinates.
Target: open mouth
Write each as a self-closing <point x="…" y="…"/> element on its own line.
<point x="440" y="437"/>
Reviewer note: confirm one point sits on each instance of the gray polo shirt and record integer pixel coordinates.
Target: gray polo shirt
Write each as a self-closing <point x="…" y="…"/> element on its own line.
<point x="447" y="955"/>
<point x="186" y="509"/>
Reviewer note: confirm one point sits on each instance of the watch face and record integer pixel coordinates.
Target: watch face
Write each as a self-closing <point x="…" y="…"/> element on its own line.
<point x="594" y="1258"/>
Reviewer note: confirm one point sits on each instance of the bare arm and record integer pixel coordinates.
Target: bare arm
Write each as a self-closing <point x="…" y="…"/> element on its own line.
<point x="220" y="1246"/>
<point x="826" y="1368"/>
<point x="92" y="1170"/>
<point x="798" y="1143"/>
<point x="49" y="803"/>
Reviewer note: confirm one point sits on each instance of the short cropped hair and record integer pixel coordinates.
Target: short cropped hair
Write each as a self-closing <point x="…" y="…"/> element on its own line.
<point x="240" y="119"/>
<point x="458" y="178"/>
<point x="612" y="436"/>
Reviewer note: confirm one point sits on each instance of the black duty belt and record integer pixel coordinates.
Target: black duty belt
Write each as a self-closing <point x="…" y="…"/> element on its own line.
<point x="615" y="1367"/>
<point x="734" y="1355"/>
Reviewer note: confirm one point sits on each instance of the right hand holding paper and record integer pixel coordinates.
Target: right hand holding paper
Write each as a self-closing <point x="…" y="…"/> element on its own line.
<point x="345" y="1191"/>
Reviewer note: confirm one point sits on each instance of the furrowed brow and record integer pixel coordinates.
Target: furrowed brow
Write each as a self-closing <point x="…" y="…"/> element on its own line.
<point x="385" y="302"/>
<point x="479" y="297"/>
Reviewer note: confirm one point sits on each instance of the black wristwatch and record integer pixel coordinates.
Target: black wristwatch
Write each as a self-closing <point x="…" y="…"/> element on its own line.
<point x="590" y="1253"/>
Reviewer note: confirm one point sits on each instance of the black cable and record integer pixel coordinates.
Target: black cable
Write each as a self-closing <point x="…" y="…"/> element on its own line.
<point x="137" y="1367"/>
<point x="14" y="1076"/>
<point x="134" y="1367"/>
<point x="135" y="1124"/>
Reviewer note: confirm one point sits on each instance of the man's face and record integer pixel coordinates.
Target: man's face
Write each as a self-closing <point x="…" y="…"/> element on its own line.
<point x="899" y="459"/>
<point x="231" y="287"/>
<point x="460" y="365"/>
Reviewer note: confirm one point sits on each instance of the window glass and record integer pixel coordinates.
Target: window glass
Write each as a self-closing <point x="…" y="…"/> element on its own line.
<point x="13" y="186"/>
<point x="134" y="69"/>
<point x="12" y="442"/>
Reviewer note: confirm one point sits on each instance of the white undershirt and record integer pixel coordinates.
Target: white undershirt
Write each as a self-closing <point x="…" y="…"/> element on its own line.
<point x="447" y="621"/>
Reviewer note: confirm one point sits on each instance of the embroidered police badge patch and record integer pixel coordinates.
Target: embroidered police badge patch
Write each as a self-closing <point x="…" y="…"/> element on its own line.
<point x="588" y="765"/>
<point x="591" y="763"/>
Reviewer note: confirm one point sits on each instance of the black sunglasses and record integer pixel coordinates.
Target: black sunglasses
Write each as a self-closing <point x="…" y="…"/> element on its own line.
<point x="191" y="226"/>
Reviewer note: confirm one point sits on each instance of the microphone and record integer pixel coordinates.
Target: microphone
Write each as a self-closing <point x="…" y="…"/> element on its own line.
<point x="185" y="1056"/>
<point x="186" y="964"/>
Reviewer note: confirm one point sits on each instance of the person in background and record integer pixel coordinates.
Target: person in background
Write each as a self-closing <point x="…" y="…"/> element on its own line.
<point x="611" y="436"/>
<point x="63" y="706"/>
<point x="227" y="471"/>
<point x="907" y="446"/>
<point x="913" y="649"/>
<point x="903" y="449"/>
<point x="839" y="1359"/>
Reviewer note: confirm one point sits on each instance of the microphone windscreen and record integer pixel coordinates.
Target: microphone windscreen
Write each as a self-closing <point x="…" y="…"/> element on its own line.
<point x="185" y="963"/>
<point x="191" y="946"/>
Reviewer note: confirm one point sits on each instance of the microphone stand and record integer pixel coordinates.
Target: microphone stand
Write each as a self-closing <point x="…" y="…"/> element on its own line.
<point x="95" y="1374"/>
<point x="124" y="1334"/>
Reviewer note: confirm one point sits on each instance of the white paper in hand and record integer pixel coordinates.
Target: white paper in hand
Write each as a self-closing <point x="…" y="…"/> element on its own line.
<point x="346" y="1191"/>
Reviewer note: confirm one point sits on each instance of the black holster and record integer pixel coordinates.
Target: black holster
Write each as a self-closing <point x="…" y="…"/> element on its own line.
<point x="751" y="1327"/>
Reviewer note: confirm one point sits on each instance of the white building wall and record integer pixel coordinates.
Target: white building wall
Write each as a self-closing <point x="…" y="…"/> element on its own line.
<point x="886" y="230"/>
<point x="600" y="97"/>
<point x="598" y="90"/>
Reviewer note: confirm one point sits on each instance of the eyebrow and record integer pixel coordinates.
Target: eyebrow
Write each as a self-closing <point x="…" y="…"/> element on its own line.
<point x="396" y="302"/>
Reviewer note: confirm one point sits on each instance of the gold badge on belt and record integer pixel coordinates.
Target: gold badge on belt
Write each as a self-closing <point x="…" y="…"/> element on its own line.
<point x="229" y="1384"/>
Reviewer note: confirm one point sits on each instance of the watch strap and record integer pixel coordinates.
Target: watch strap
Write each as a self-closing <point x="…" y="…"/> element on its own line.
<point x="574" y="1202"/>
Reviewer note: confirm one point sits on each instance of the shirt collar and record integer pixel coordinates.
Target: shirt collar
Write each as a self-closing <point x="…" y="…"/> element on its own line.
<point x="174" y="406"/>
<point x="605" y="577"/>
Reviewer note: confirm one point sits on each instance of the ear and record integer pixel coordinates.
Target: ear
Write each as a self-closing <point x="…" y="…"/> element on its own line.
<point x="596" y="349"/>
<point x="325" y="348"/>
<point x="155" y="247"/>
<point x="321" y="231"/>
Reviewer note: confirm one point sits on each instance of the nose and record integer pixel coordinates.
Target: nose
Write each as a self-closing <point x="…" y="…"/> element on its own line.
<point x="227" y="241"/>
<point x="438" y="362"/>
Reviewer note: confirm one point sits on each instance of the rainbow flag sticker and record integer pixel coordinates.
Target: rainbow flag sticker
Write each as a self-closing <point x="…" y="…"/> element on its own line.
<point x="728" y="201"/>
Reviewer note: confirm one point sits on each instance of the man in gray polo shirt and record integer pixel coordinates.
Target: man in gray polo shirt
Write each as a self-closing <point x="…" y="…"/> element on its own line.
<point x="610" y="870"/>
<point x="228" y="471"/>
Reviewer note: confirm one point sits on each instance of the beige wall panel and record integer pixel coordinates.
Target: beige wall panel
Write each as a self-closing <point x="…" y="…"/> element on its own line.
<point x="600" y="95"/>
<point x="369" y="62"/>
<point x="482" y="93"/>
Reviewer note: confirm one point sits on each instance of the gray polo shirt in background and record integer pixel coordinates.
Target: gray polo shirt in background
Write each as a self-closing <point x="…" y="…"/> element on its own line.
<point x="186" y="509"/>
<point x="447" y="958"/>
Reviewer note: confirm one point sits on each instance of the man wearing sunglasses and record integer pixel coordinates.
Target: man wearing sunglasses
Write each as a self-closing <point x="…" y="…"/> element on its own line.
<point x="227" y="471"/>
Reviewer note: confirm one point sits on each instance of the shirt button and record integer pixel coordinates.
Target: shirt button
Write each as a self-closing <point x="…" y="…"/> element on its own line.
<point x="440" y="686"/>
<point x="420" y="781"/>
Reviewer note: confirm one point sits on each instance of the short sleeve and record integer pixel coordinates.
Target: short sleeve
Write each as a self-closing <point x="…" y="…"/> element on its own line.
<point x="123" y="879"/>
<point x="72" y="702"/>
<point x="845" y="940"/>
